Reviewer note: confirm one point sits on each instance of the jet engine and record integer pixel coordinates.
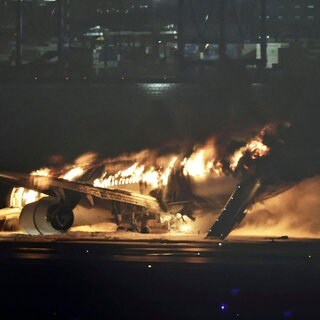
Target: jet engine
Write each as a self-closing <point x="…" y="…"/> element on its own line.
<point x="46" y="216"/>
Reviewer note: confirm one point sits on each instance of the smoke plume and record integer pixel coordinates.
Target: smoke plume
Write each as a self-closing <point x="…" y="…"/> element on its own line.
<point x="295" y="213"/>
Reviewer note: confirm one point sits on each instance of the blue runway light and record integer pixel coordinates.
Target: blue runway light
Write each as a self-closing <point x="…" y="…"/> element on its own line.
<point x="223" y="307"/>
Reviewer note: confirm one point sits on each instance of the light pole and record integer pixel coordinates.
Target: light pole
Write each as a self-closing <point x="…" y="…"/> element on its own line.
<point x="19" y="36"/>
<point x="61" y="22"/>
<point x="222" y="29"/>
<point x="181" y="43"/>
<point x="263" y="34"/>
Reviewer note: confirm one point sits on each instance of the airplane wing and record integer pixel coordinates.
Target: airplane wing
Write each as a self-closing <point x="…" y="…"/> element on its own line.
<point x="50" y="185"/>
<point x="66" y="206"/>
<point x="234" y="210"/>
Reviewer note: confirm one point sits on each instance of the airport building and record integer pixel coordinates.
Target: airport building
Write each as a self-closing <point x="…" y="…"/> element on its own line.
<point x="109" y="34"/>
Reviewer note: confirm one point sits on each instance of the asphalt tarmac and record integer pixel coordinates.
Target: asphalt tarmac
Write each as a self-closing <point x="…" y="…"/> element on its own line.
<point x="159" y="279"/>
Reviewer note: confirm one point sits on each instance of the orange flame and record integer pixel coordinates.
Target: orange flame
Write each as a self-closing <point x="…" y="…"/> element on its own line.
<point x="145" y="168"/>
<point x="255" y="147"/>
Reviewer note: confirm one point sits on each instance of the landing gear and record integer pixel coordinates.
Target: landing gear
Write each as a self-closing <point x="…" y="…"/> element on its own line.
<point x="131" y="218"/>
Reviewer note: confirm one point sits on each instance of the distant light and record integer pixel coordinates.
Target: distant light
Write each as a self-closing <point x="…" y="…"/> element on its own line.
<point x="84" y="78"/>
<point x="223" y="307"/>
<point x="309" y="256"/>
<point x="87" y="251"/>
<point x="36" y="78"/>
<point x="159" y="41"/>
<point x="149" y="266"/>
<point x="66" y="78"/>
<point x="220" y="244"/>
<point x="122" y="78"/>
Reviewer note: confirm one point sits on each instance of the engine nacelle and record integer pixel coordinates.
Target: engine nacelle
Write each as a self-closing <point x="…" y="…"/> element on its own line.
<point x="46" y="216"/>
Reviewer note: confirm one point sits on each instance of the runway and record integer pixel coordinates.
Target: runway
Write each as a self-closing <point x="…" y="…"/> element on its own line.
<point x="200" y="251"/>
<point x="160" y="279"/>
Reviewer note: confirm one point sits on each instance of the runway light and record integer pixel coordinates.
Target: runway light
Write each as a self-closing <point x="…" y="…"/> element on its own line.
<point x="223" y="307"/>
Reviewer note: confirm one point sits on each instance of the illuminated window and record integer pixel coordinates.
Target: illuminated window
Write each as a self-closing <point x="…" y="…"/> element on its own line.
<point x="310" y="6"/>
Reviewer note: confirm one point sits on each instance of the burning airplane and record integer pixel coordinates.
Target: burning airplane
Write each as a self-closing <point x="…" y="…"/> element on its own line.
<point x="154" y="192"/>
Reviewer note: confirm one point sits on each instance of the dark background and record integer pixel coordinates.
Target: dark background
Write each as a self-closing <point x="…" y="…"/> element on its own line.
<point x="41" y="117"/>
